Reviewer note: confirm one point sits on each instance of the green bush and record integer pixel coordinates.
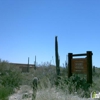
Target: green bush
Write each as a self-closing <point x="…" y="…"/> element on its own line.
<point x="10" y="78"/>
<point x="5" y="92"/>
<point x="74" y="84"/>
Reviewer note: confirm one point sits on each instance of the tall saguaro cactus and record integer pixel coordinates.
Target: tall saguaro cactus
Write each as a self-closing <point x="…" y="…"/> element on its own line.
<point x="35" y="63"/>
<point x="28" y="65"/>
<point x="57" y="57"/>
<point x="93" y="69"/>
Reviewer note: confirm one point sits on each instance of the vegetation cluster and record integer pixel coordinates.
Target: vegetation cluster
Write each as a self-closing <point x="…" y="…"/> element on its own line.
<point x="11" y="77"/>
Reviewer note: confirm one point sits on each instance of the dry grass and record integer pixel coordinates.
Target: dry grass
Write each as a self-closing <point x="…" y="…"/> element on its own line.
<point x="46" y="94"/>
<point x="53" y="94"/>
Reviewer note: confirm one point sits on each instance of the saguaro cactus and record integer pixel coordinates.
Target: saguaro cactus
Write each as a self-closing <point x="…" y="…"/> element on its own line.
<point x="93" y="69"/>
<point x="28" y="65"/>
<point x="66" y="65"/>
<point x="57" y="57"/>
<point x="35" y="63"/>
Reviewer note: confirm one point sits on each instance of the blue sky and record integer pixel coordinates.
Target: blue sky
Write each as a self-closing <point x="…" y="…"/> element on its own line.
<point x="29" y="27"/>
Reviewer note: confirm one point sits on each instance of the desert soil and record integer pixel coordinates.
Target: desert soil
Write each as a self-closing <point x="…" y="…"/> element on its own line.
<point x="24" y="93"/>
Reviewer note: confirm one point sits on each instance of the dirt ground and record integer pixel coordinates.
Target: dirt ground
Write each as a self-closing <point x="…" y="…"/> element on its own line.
<point x="24" y="93"/>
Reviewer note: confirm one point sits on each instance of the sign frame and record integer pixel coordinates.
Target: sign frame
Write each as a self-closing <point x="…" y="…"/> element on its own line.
<point x="87" y="65"/>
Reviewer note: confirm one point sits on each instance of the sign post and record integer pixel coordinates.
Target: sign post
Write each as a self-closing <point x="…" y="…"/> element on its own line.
<point x="80" y="65"/>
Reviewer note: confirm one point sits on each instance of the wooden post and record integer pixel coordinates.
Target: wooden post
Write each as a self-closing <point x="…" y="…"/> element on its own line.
<point x="69" y="65"/>
<point x="89" y="67"/>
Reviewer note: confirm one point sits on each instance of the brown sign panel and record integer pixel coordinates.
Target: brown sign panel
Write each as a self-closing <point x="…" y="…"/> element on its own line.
<point x="79" y="65"/>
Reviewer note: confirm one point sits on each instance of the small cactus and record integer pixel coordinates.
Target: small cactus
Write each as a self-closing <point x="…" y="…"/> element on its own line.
<point x="35" y="85"/>
<point x="35" y="82"/>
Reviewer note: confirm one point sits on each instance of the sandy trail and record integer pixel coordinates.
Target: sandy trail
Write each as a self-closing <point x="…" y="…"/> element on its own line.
<point x="25" y="93"/>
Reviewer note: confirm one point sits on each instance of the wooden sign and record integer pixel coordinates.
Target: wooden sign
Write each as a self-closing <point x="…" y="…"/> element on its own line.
<point x="79" y="65"/>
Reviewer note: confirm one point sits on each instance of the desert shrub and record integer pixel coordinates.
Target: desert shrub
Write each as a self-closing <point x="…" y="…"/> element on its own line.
<point x="74" y="84"/>
<point x="10" y="78"/>
<point x="5" y="92"/>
